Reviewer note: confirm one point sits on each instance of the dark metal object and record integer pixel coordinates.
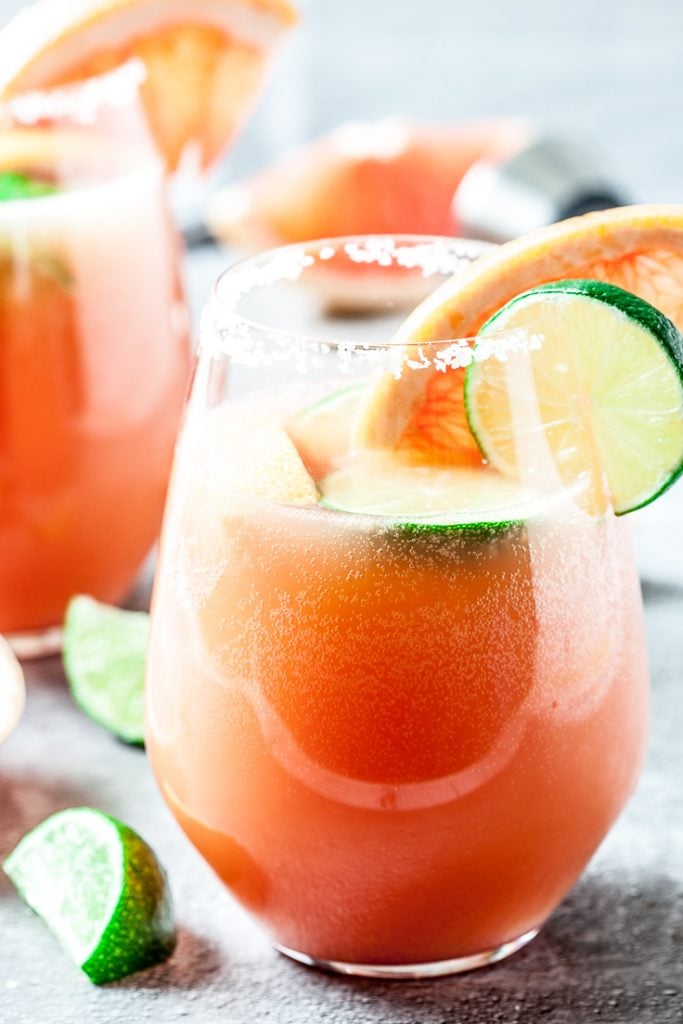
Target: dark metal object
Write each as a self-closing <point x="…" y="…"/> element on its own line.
<point x="548" y="180"/>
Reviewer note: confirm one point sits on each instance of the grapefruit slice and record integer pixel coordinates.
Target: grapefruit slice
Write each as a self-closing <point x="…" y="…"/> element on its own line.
<point x="639" y="248"/>
<point x="393" y="176"/>
<point x="205" y="59"/>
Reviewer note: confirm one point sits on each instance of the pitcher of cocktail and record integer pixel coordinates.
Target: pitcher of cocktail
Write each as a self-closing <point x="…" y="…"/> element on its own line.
<point x="94" y="350"/>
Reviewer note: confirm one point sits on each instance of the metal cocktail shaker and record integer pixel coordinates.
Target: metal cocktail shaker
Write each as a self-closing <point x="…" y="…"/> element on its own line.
<point x="547" y="180"/>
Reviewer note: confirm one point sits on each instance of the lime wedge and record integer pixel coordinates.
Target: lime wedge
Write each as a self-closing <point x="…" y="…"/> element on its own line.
<point x="22" y="186"/>
<point x="379" y="484"/>
<point x="607" y="392"/>
<point x="99" y="888"/>
<point x="104" y="662"/>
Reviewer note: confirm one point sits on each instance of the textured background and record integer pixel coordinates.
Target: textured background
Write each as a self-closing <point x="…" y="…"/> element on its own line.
<point x="607" y="73"/>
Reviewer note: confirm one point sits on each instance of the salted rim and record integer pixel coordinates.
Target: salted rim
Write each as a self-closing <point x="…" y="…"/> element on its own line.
<point x="432" y="253"/>
<point x="79" y="102"/>
<point x="225" y="331"/>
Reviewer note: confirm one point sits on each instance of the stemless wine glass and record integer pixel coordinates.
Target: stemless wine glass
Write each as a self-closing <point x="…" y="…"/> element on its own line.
<point x="94" y="350"/>
<point x="394" y="698"/>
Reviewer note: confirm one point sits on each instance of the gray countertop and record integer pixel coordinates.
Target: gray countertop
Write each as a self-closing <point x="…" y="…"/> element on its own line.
<point x="613" y="952"/>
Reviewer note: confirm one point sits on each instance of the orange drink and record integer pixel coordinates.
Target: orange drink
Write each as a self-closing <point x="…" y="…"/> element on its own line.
<point x="395" y="702"/>
<point x="94" y="350"/>
<point x="94" y="354"/>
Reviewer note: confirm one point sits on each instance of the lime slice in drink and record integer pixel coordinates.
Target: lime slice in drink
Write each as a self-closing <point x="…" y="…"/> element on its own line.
<point x="607" y="394"/>
<point x="22" y="186"/>
<point x="322" y="433"/>
<point x="104" y="662"/>
<point x="379" y="484"/>
<point x="99" y="888"/>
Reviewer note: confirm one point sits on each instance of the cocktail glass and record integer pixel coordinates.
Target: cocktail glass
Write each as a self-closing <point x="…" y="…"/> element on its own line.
<point x="397" y="721"/>
<point x="94" y="351"/>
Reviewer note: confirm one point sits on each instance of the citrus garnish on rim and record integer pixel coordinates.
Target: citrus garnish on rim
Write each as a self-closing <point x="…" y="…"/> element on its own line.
<point x="639" y="248"/>
<point x="604" y="392"/>
<point x="205" y="62"/>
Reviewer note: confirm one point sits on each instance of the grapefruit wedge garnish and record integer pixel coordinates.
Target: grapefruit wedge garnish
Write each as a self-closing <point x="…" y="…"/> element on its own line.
<point x="388" y="177"/>
<point x="639" y="248"/>
<point x="205" y="59"/>
<point x="393" y="176"/>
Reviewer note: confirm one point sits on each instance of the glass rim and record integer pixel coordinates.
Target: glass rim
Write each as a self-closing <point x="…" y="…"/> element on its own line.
<point x="79" y="101"/>
<point x="222" y="317"/>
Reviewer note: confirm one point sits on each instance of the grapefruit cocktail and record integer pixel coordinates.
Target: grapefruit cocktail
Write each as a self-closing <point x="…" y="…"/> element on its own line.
<point x="94" y="355"/>
<point x="99" y="101"/>
<point x="397" y="685"/>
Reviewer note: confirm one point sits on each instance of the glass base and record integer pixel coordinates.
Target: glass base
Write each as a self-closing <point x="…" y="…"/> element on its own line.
<point x="41" y="643"/>
<point x="436" y="969"/>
